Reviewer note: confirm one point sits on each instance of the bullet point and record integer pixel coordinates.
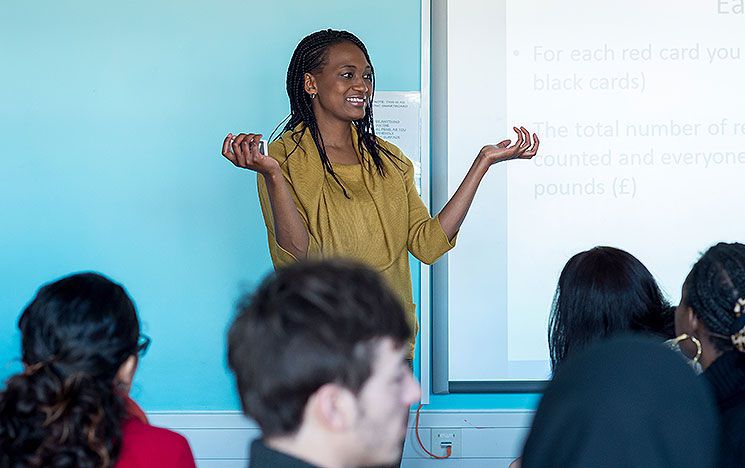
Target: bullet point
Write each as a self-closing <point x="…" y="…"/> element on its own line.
<point x="516" y="53"/>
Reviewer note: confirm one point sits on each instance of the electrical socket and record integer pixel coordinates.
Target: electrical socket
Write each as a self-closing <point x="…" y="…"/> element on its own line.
<point x="442" y="436"/>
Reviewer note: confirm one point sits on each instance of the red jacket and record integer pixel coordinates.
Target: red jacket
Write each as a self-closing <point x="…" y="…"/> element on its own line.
<point x="145" y="446"/>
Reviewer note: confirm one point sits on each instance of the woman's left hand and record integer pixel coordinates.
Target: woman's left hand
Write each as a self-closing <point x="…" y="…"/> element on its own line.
<point x="454" y="212"/>
<point x="524" y="148"/>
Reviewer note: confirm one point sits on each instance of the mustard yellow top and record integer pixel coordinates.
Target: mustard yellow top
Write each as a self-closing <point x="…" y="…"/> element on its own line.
<point x="381" y="222"/>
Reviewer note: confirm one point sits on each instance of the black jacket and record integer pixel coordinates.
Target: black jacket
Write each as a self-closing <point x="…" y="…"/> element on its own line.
<point x="624" y="403"/>
<point x="265" y="457"/>
<point x="727" y="379"/>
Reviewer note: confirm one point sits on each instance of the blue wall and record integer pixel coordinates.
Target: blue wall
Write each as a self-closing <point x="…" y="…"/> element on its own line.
<point x="111" y="120"/>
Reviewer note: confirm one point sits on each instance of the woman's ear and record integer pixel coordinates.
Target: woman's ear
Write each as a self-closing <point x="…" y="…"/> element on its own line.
<point x="684" y="319"/>
<point x="125" y="375"/>
<point x="694" y="324"/>
<point x="309" y="84"/>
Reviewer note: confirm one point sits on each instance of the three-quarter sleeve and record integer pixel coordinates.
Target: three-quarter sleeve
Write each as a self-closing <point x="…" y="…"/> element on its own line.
<point x="280" y="256"/>
<point x="426" y="239"/>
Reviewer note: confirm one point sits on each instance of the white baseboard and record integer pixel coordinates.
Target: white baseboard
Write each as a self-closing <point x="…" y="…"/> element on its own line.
<point x="220" y="439"/>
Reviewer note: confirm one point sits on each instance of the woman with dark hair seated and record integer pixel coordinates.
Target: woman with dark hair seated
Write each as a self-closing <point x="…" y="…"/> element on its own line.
<point x="602" y="292"/>
<point x="80" y="339"/>
<point x="711" y="322"/>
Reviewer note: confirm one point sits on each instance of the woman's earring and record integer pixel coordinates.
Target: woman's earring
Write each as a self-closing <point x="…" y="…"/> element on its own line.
<point x="675" y="345"/>
<point x="698" y="349"/>
<point x="313" y="95"/>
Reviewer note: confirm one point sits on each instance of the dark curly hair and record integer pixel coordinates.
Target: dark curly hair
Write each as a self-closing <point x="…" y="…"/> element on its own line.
<point x="310" y="56"/>
<point x="64" y="410"/>
<point x="712" y="288"/>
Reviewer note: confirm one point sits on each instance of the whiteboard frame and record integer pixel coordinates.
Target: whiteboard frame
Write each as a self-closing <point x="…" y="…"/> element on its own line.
<point x="425" y="307"/>
<point x="434" y="284"/>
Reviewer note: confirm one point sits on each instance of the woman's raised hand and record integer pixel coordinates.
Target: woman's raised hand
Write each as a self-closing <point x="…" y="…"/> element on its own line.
<point x="524" y="148"/>
<point x="243" y="151"/>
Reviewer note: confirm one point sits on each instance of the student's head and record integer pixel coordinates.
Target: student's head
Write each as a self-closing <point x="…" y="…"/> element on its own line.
<point x="331" y="78"/>
<point x="712" y="304"/>
<point x="79" y="339"/>
<point x="601" y="292"/>
<point x="318" y="352"/>
<point x="624" y="402"/>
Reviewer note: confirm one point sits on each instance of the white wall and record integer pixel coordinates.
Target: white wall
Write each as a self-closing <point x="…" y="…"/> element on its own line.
<point x="488" y="438"/>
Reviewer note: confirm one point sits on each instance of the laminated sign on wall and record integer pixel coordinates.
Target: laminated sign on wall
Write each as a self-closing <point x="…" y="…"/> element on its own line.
<point x="397" y="120"/>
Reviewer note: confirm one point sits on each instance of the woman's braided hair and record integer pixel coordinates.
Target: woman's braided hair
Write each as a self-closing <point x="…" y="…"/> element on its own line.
<point x="715" y="291"/>
<point x="310" y="56"/>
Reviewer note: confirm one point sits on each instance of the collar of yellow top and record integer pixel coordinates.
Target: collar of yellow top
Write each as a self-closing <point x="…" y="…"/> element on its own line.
<point x="305" y="171"/>
<point x="308" y="146"/>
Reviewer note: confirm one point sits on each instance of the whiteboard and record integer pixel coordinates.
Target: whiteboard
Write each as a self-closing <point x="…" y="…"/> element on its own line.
<point x="639" y="108"/>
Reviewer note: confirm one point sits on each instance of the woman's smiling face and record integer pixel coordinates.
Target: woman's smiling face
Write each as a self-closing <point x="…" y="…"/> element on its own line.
<point x="343" y="86"/>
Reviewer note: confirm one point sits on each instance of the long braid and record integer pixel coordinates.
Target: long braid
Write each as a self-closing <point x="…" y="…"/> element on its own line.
<point x="309" y="56"/>
<point x="713" y="288"/>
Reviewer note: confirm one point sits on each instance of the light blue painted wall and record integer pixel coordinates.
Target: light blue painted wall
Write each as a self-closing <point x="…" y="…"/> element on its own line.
<point x="111" y="119"/>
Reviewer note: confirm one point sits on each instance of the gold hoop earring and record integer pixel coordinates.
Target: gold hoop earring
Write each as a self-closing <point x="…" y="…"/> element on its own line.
<point x="695" y="341"/>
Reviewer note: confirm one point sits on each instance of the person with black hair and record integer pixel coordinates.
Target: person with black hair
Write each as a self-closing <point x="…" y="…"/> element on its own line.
<point x="710" y="321"/>
<point x="318" y="353"/>
<point x="80" y="339"/>
<point x="602" y="292"/>
<point x="330" y="188"/>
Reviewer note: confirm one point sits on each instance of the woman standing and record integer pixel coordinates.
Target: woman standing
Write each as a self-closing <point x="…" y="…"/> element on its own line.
<point x="330" y="187"/>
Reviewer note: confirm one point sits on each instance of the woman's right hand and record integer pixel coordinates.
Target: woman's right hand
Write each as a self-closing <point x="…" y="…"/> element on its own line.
<point x="243" y="151"/>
